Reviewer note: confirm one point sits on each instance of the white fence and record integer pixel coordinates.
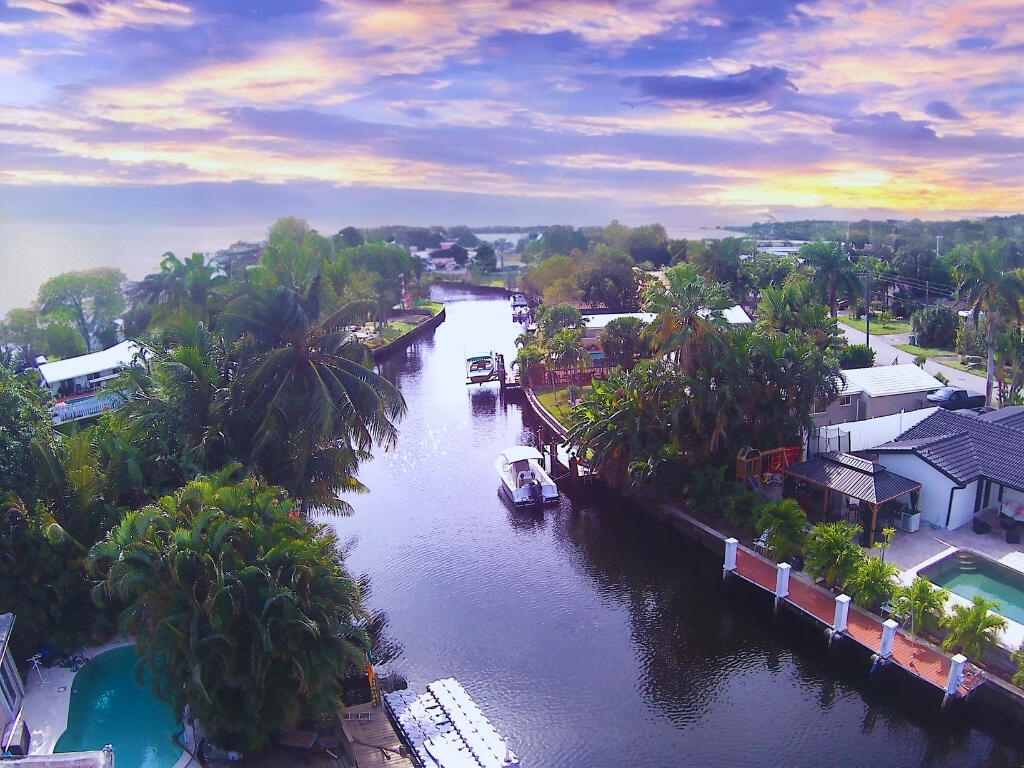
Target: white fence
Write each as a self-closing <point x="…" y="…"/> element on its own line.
<point x="863" y="435"/>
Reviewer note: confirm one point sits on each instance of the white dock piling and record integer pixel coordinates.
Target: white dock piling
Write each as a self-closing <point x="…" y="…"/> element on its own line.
<point x="888" y="637"/>
<point x="782" y="581"/>
<point x="729" y="565"/>
<point x="842" y="613"/>
<point x="956" y="673"/>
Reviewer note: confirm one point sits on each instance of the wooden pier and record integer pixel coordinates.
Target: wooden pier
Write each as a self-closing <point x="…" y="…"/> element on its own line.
<point x="913" y="656"/>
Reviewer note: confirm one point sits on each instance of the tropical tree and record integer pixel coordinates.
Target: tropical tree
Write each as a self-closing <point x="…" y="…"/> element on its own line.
<point x="922" y="603"/>
<point x="626" y="341"/>
<point x="89" y="300"/>
<point x="564" y="351"/>
<point x="834" y="273"/>
<point x="831" y="553"/>
<point x="485" y="260"/>
<point x="872" y="581"/>
<point x="25" y="424"/>
<point x="973" y="629"/>
<point x="989" y="287"/>
<point x="785" y="521"/>
<point x="552" y="319"/>
<point x="189" y="289"/>
<point x="240" y="608"/>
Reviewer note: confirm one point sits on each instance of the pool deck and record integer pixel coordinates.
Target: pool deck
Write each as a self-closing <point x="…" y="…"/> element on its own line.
<point x="913" y="551"/>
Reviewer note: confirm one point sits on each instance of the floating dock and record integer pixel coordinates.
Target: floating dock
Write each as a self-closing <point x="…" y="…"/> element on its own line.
<point x="446" y="729"/>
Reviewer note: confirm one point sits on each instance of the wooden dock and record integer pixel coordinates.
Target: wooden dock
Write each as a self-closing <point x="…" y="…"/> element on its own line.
<point x="913" y="655"/>
<point x="371" y="740"/>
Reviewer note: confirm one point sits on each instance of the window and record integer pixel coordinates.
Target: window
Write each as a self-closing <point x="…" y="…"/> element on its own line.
<point x="844" y="401"/>
<point x="817" y="406"/>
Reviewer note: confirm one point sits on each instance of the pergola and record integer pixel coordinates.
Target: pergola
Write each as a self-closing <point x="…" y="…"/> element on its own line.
<point x="854" y="477"/>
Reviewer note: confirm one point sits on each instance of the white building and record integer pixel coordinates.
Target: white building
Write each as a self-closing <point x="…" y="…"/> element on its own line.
<point x="78" y="383"/>
<point x="879" y="391"/>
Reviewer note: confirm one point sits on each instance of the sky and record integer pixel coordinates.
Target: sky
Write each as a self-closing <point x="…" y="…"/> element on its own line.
<point x="688" y="112"/>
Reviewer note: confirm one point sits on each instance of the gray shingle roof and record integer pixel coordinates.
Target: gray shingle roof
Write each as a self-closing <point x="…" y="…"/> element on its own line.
<point x="853" y="476"/>
<point x="967" y="447"/>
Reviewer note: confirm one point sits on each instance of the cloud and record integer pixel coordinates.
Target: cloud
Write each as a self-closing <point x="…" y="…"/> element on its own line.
<point x="887" y="129"/>
<point x="942" y="110"/>
<point x="755" y="84"/>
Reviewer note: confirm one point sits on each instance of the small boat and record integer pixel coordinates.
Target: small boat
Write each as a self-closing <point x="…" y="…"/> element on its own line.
<point x="523" y="477"/>
<point x="481" y="368"/>
<point x="519" y="301"/>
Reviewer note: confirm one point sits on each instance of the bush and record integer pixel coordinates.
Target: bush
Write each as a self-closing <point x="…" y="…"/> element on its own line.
<point x="935" y="326"/>
<point x="971" y="340"/>
<point x="856" y="356"/>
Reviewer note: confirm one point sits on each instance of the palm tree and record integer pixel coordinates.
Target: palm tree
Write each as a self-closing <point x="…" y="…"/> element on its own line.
<point x="871" y="581"/>
<point x="973" y="629"/>
<point x="785" y="520"/>
<point x="240" y="608"/>
<point x="989" y="287"/>
<point x="922" y="602"/>
<point x="188" y="287"/>
<point x="834" y="273"/>
<point x="831" y="553"/>
<point x="564" y="351"/>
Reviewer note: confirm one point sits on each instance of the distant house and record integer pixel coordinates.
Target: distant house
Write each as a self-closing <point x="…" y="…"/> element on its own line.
<point x="237" y="257"/>
<point x="879" y="391"/>
<point x="965" y="463"/>
<point x="78" y="383"/>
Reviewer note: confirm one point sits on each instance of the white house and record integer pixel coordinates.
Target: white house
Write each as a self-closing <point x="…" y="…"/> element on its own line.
<point x="879" y="391"/>
<point x="78" y="382"/>
<point x="965" y="462"/>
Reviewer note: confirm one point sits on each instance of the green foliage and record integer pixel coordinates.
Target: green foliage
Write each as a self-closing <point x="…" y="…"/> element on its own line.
<point x="89" y="300"/>
<point x="486" y="260"/>
<point x="973" y="629"/>
<point x="835" y="276"/>
<point x="1018" y="675"/>
<point x="856" y="356"/>
<point x="53" y="337"/>
<point x="785" y="520"/>
<point x="831" y="553"/>
<point x="626" y="341"/>
<point x="872" y="581"/>
<point x="935" y="326"/>
<point x="24" y="426"/>
<point x="181" y="291"/>
<point x="922" y="604"/>
<point x="552" y="319"/>
<point x="240" y="609"/>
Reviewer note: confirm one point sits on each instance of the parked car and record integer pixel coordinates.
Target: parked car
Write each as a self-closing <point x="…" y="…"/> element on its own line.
<point x="953" y="399"/>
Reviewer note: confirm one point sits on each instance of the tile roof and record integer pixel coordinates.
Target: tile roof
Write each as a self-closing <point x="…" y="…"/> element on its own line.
<point x="1009" y="416"/>
<point x="966" y="448"/>
<point x="853" y="476"/>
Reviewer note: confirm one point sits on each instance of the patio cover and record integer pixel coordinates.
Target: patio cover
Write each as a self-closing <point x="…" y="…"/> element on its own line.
<point x="855" y="477"/>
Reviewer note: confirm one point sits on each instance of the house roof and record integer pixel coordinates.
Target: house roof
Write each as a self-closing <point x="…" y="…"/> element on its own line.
<point x="965" y="448"/>
<point x="117" y="356"/>
<point x="854" y="477"/>
<point x="734" y="315"/>
<point x="1009" y="416"/>
<point x="884" y="380"/>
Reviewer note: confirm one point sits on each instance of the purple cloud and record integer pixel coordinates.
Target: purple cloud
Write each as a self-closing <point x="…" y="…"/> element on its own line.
<point x="752" y="85"/>
<point x="943" y="110"/>
<point x="887" y="128"/>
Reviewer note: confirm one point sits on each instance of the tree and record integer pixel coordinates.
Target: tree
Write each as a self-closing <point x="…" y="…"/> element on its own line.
<point x="558" y="317"/>
<point x="834" y="273"/>
<point x="564" y="351"/>
<point x="973" y="629"/>
<point x="486" y="260"/>
<point x="935" y="326"/>
<point x="856" y="356"/>
<point x="349" y="237"/>
<point x="25" y="425"/>
<point x="459" y="254"/>
<point x="831" y="553"/>
<point x="785" y="521"/>
<point x="689" y="313"/>
<point x="240" y="609"/>
<point x="562" y="239"/>
<point x="55" y="339"/>
<point x="871" y="581"/>
<point x="649" y="243"/>
<point x="606" y="278"/>
<point x="616" y="235"/>
<point x="626" y="341"/>
<point x="922" y="603"/>
<point x="90" y="300"/>
<point x="987" y="286"/>
<point x="188" y="288"/>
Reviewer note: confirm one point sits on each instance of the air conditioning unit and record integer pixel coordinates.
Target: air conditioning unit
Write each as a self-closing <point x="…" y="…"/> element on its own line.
<point x="16" y="738"/>
<point x="910" y="520"/>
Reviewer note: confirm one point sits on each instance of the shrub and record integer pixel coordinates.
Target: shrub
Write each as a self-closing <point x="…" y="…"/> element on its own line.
<point x="935" y="326"/>
<point x="831" y="552"/>
<point x="856" y="356"/>
<point x="785" y="520"/>
<point x="971" y="340"/>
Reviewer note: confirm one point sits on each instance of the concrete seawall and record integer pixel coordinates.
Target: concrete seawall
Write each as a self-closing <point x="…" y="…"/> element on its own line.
<point x="396" y="345"/>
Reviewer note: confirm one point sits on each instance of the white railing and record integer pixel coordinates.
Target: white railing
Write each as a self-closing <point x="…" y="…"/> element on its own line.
<point x="83" y="408"/>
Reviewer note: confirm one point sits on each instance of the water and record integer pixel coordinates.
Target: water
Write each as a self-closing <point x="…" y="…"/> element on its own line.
<point x="108" y="706"/>
<point x="967" y="575"/>
<point x="589" y="634"/>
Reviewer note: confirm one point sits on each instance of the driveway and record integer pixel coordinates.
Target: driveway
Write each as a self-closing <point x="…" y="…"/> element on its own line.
<point x="886" y="353"/>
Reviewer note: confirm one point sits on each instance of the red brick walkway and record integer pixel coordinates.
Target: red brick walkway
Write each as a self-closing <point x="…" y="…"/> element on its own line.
<point x="913" y="655"/>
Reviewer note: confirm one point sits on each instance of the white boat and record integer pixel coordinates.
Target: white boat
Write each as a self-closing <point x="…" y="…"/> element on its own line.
<point x="523" y="477"/>
<point x="481" y="368"/>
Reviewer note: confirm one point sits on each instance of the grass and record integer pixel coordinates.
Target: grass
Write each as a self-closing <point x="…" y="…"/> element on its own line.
<point x="556" y="401"/>
<point x="431" y="306"/>
<point x="924" y="351"/>
<point x="877" y="326"/>
<point x="978" y="370"/>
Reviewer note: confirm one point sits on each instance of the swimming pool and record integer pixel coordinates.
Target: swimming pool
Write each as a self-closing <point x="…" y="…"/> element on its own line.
<point x="968" y="574"/>
<point x="108" y="706"/>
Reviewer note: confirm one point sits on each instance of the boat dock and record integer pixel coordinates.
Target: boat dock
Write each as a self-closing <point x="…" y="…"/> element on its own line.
<point x="955" y="677"/>
<point x="446" y="729"/>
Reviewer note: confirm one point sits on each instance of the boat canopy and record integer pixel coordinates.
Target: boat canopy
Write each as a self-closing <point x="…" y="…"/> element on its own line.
<point x="521" y="453"/>
<point x="477" y="357"/>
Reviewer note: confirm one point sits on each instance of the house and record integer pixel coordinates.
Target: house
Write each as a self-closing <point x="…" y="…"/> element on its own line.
<point x="78" y="383"/>
<point x="965" y="462"/>
<point x="879" y="391"/>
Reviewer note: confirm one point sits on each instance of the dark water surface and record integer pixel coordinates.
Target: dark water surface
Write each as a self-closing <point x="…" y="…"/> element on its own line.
<point x="591" y="635"/>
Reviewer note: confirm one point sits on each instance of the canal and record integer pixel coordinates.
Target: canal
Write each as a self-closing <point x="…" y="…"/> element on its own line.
<point x="590" y="634"/>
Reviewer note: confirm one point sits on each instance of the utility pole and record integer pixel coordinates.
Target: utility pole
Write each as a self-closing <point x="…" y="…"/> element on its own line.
<point x="867" y="304"/>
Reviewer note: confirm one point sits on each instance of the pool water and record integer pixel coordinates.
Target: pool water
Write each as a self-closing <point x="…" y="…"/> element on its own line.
<point x="108" y="706"/>
<point x="967" y="574"/>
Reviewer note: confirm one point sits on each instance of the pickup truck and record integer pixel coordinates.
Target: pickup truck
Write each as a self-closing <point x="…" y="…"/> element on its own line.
<point x="953" y="399"/>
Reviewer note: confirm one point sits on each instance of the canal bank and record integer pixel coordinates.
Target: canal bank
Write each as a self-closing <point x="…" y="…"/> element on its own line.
<point x="385" y="351"/>
<point x="593" y="634"/>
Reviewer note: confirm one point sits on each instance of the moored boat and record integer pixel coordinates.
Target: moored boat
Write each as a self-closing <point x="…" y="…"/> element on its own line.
<point x="523" y="477"/>
<point x="481" y="368"/>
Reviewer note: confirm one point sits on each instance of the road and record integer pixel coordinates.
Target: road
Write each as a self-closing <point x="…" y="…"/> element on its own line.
<point x="885" y="353"/>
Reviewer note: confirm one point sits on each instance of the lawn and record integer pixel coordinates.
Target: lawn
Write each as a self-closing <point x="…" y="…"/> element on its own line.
<point x="433" y="307"/>
<point x="925" y="351"/>
<point x="877" y="326"/>
<point x="556" y="401"/>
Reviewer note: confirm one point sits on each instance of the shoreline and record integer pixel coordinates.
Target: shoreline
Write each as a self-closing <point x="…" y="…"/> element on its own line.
<point x="399" y="343"/>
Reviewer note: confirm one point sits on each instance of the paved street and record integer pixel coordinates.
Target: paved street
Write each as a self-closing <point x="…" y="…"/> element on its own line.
<point x="885" y="353"/>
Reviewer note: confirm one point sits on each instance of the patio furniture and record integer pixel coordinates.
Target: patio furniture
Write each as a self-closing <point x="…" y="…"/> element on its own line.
<point x="761" y="543"/>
